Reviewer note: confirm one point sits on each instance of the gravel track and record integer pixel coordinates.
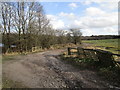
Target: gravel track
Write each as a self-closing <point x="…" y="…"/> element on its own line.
<point x="44" y="70"/>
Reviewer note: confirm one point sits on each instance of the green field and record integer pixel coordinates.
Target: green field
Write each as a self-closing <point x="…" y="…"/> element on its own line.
<point x="106" y="44"/>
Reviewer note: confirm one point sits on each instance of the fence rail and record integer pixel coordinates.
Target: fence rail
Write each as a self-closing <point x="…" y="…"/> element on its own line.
<point x="105" y="58"/>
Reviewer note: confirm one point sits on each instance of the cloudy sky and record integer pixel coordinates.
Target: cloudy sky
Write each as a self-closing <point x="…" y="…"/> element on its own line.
<point x="94" y="17"/>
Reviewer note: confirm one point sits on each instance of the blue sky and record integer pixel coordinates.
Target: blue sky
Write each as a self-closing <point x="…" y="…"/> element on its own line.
<point x="57" y="7"/>
<point x="93" y="17"/>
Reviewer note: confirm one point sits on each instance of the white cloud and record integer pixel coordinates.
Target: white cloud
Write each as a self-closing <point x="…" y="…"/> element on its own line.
<point x="100" y="31"/>
<point x="66" y="14"/>
<point x="95" y="17"/>
<point x="69" y="16"/>
<point x="93" y="11"/>
<point x="109" y="5"/>
<point x="59" y="24"/>
<point x="105" y="4"/>
<point x="87" y="2"/>
<point x="96" y="21"/>
<point x="91" y="20"/>
<point x="73" y="5"/>
<point x="110" y="30"/>
<point x="88" y="32"/>
<point x="56" y="22"/>
<point x="51" y="17"/>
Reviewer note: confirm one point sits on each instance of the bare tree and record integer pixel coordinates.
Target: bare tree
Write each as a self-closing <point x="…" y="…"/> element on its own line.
<point x="76" y="33"/>
<point x="26" y="25"/>
<point x="7" y="23"/>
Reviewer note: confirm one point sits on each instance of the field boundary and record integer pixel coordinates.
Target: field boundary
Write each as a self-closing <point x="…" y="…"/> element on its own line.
<point x="104" y="58"/>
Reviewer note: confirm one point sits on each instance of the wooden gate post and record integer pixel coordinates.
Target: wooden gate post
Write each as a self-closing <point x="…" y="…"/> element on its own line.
<point x="69" y="52"/>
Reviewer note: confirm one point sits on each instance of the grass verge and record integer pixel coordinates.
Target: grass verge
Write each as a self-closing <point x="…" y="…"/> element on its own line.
<point x="7" y="83"/>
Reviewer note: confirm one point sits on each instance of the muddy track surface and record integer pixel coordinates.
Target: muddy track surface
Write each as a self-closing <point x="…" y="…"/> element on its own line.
<point x="44" y="70"/>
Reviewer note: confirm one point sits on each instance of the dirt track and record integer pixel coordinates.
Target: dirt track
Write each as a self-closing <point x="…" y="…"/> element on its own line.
<point x="43" y="70"/>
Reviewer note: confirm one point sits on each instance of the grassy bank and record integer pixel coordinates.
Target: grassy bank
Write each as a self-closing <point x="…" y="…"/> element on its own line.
<point x="111" y="74"/>
<point x="107" y="44"/>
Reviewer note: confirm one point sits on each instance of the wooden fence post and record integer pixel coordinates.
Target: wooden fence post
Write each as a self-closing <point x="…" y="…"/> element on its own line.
<point x="78" y="50"/>
<point x="69" y="52"/>
<point x="81" y="52"/>
<point x="105" y="58"/>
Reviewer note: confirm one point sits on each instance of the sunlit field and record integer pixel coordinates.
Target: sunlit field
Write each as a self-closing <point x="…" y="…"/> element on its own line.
<point x="107" y="44"/>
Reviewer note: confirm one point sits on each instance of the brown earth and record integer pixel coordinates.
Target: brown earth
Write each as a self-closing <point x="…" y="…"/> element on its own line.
<point x="44" y="70"/>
